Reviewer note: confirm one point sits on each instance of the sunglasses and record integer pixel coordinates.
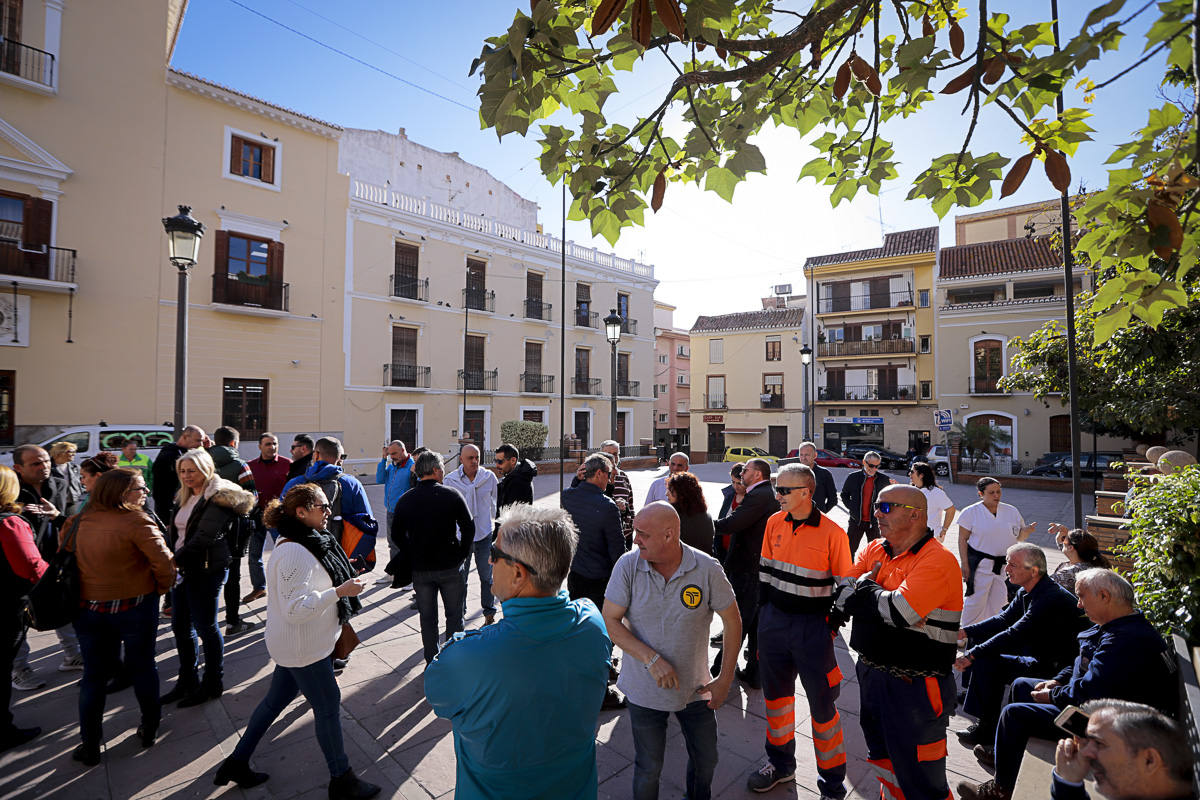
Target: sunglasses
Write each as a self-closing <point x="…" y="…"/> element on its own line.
<point x="784" y="491"/>
<point x="498" y="554"/>
<point x="323" y="506"/>
<point x="867" y="464"/>
<point x="888" y="508"/>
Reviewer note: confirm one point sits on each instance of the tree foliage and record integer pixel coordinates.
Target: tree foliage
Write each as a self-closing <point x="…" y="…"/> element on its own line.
<point x="850" y="70"/>
<point x="980" y="439"/>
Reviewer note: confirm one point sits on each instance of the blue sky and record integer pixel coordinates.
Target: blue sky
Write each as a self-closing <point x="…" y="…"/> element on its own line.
<point x="711" y="257"/>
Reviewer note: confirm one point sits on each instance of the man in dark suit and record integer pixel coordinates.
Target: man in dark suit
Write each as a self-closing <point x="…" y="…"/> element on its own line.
<point x="745" y="527"/>
<point x="825" y="496"/>
<point x="858" y="494"/>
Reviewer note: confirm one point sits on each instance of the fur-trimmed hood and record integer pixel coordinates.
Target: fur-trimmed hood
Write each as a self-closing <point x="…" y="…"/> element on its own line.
<point x="227" y="494"/>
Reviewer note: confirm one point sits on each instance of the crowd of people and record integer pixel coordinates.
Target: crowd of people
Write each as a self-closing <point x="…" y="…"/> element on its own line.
<point x="605" y="606"/>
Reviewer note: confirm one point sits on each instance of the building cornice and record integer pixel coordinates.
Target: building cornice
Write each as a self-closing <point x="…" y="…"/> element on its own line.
<point x="232" y="97"/>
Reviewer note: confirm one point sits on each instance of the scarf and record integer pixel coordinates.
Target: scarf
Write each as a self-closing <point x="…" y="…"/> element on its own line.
<point x="329" y="553"/>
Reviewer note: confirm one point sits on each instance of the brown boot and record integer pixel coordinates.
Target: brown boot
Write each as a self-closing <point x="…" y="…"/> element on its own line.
<point x="988" y="790"/>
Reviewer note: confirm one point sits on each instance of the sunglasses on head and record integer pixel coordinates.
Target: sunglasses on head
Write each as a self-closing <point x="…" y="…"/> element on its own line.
<point x="498" y="554"/>
<point x="786" y="490"/>
<point x="888" y="508"/>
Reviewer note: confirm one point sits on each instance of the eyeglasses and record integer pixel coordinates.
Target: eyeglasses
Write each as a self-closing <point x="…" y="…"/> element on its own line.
<point x="141" y="488"/>
<point x="322" y="506"/>
<point x="498" y="554"/>
<point x="784" y="491"/>
<point x="888" y="508"/>
<point x="499" y="461"/>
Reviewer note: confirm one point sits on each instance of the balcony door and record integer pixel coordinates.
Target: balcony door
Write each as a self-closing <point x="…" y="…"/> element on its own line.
<point x="473" y="426"/>
<point x="988" y="362"/>
<point x="621" y="418"/>
<point x="583" y="370"/>
<point x="25" y="235"/>
<point x="473" y="362"/>
<point x="404" y="356"/>
<point x="880" y="297"/>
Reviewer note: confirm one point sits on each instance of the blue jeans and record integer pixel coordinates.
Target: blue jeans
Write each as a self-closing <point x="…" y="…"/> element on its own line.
<point x="1021" y="720"/>
<point x="452" y="586"/>
<point x="258" y="540"/>
<point x="320" y="689"/>
<point x="100" y="640"/>
<point x="483" y="565"/>
<point x="699" y="724"/>
<point x="990" y="676"/>
<point x="195" y="617"/>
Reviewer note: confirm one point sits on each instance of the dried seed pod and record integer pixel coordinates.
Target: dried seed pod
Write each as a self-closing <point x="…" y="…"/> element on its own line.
<point x="993" y="69"/>
<point x="606" y="15"/>
<point x="1057" y="170"/>
<point x="672" y="17"/>
<point x="927" y="28"/>
<point x="1016" y="175"/>
<point x="957" y="39"/>
<point x="842" y="82"/>
<point x="961" y="82"/>
<point x="660" y="190"/>
<point x="642" y="26"/>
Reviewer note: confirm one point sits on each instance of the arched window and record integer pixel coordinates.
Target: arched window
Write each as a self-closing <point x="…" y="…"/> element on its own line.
<point x="987" y="361"/>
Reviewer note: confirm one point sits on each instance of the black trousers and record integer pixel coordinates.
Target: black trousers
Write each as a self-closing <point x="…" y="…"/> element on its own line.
<point x="745" y="591"/>
<point x="12" y="633"/>
<point x="856" y="532"/>
<point x="233" y="592"/>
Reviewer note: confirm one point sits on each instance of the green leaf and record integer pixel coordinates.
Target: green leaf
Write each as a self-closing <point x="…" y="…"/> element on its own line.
<point x="1102" y="12"/>
<point x="1108" y="322"/>
<point x="721" y="181"/>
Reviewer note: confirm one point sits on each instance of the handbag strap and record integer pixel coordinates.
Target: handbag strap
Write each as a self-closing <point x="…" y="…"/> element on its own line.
<point x="69" y="543"/>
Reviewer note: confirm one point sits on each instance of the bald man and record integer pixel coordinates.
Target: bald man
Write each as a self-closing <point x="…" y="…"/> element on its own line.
<point x="906" y="605"/>
<point x="479" y="488"/>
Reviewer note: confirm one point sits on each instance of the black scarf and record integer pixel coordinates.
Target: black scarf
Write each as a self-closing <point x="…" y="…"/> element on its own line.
<point x="331" y="556"/>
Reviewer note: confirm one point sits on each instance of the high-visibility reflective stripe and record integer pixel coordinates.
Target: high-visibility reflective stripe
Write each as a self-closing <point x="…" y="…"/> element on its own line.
<point x="829" y="749"/>
<point x="835" y="676"/>
<point x="797" y="589"/>
<point x="779" y="702"/>
<point x="804" y="572"/>
<point x="945" y="615"/>
<point x="832" y="760"/>
<point x="901" y="605"/>
<point x="781" y="719"/>
<point x="825" y="730"/>
<point x="934" y="751"/>
<point x="939" y="634"/>
<point x="935" y="694"/>
<point x="888" y="788"/>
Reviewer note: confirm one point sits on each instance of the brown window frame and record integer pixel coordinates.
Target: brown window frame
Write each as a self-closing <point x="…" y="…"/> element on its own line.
<point x="237" y="163"/>
<point x="248" y="433"/>
<point x="774" y="353"/>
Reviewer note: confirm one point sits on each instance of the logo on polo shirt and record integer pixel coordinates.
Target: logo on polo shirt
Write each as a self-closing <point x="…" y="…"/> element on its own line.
<point x="691" y="596"/>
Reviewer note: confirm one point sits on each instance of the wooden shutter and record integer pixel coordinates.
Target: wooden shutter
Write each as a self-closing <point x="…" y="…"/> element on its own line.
<point x="622" y="367"/>
<point x="476" y="275"/>
<point x="583" y="293"/>
<point x="36" y="236"/>
<point x="404" y="346"/>
<point x="235" y="155"/>
<point x="533" y="358"/>
<point x="268" y="164"/>
<point x="407" y="258"/>
<point x="275" y="260"/>
<point x="473" y="351"/>
<point x="220" y="265"/>
<point x="533" y="287"/>
<point x="583" y="361"/>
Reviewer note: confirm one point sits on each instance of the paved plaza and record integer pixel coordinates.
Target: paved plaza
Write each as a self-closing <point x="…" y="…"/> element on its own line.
<point x="392" y="736"/>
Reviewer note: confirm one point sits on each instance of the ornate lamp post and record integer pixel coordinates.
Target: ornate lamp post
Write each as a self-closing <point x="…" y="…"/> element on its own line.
<point x="183" y="246"/>
<point x="612" y="328"/>
<point x="806" y="360"/>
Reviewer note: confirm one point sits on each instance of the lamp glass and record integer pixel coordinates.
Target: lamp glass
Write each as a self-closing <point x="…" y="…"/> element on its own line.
<point x="183" y="247"/>
<point x="612" y="326"/>
<point x="806" y="355"/>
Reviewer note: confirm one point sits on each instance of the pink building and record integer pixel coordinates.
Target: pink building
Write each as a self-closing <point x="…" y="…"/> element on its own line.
<point x="672" y="381"/>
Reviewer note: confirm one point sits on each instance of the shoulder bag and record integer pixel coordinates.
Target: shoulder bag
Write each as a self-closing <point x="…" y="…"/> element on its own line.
<point x="54" y="599"/>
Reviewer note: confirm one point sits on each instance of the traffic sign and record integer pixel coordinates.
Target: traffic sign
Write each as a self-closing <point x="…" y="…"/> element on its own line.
<point x="944" y="418"/>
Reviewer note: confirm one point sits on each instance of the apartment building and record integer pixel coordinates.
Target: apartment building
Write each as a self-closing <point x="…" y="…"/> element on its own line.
<point x="993" y="286"/>
<point x="672" y="381"/>
<point x="455" y="312"/>
<point x="99" y="140"/>
<point x="748" y="380"/>
<point x="874" y="323"/>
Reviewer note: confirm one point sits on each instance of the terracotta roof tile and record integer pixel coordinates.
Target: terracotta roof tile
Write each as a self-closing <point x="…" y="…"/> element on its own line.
<point x="749" y="320"/>
<point x="900" y="243"/>
<point x="998" y="258"/>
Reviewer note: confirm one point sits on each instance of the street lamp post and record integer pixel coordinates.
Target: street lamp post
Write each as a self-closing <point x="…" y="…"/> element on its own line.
<point x="806" y="360"/>
<point x="612" y="327"/>
<point x="183" y="246"/>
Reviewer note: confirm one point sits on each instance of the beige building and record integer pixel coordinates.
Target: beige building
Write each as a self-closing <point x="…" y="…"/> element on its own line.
<point x="875" y="333"/>
<point x="672" y="381"/>
<point x="454" y="311"/>
<point x="993" y="286"/>
<point x="747" y="381"/>
<point x="97" y="144"/>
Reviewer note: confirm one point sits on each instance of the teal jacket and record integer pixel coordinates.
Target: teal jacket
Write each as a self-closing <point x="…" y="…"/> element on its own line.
<point x="523" y="696"/>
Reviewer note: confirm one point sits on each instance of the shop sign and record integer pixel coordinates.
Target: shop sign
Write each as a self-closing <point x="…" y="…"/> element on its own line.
<point x="714" y="418"/>
<point x="867" y="420"/>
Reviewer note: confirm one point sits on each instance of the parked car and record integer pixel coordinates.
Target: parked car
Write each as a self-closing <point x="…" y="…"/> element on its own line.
<point x="891" y="459"/>
<point x="828" y="458"/>
<point x="937" y="458"/>
<point x="1092" y="468"/>
<point x="91" y="439"/>
<point x="747" y="453"/>
<point x="1050" y="458"/>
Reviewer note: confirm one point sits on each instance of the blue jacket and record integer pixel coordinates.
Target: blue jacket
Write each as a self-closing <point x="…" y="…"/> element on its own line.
<point x="356" y="508"/>
<point x="523" y="696"/>
<point x="1043" y="624"/>
<point x="1124" y="659"/>
<point x="396" y="480"/>
<point x="601" y="541"/>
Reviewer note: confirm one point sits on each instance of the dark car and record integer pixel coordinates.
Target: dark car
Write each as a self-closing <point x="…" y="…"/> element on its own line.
<point x="1092" y="468"/>
<point x="825" y="458"/>
<point x="891" y="459"/>
<point x="1050" y="458"/>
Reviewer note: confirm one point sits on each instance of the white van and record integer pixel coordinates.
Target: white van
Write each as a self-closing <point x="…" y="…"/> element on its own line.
<point x="91" y="439"/>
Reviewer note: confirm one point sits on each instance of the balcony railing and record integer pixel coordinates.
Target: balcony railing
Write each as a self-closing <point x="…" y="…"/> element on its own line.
<point x="251" y="291"/>
<point x="866" y="302"/>
<point x="41" y="261"/>
<point x="842" y="393"/>
<point x="587" y="319"/>
<point x="953" y="304"/>
<point x="683" y="352"/>
<point x="536" y="382"/>
<point x="874" y="347"/>
<point x="582" y="385"/>
<point x="479" y="299"/>
<point x="629" y="388"/>
<point x="985" y="386"/>
<point x="406" y="375"/>
<point x="411" y="288"/>
<point x="629" y="326"/>
<point x="536" y="309"/>
<point x="478" y="380"/>
<point x="715" y="401"/>
<point x="774" y="401"/>
<point x="26" y="62"/>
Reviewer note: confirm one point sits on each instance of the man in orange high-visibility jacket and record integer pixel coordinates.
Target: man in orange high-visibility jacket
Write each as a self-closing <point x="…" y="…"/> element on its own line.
<point x="906" y="605"/>
<point x="803" y="552"/>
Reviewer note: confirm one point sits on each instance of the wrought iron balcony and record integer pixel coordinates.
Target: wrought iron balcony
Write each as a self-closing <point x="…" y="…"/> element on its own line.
<point x="587" y="319"/>
<point x="410" y="288"/>
<point x="629" y="326"/>
<point x="251" y="291"/>
<point x="406" y="375"/>
<point x="866" y="302"/>
<point x="41" y="261"/>
<point x="585" y="385"/>
<point x="536" y="382"/>
<point x="629" y="388"/>
<point x="715" y="401"/>
<point x="772" y="401"/>
<point x="985" y="386"/>
<point x="479" y="299"/>
<point x="873" y="347"/>
<point x="843" y="393"/>
<point x="26" y="62"/>
<point x="478" y="380"/>
<point x="536" y="309"/>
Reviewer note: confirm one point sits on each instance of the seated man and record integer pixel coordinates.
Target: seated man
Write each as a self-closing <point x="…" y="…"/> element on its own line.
<point x="1131" y="750"/>
<point x="1121" y="657"/>
<point x="1035" y="634"/>
<point x="524" y="694"/>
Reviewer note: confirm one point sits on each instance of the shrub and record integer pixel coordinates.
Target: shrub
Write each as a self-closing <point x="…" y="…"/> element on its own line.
<point x="1165" y="547"/>
<point x="528" y="437"/>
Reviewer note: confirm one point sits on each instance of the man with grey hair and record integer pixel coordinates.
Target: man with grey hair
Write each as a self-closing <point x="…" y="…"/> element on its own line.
<point x="524" y="695"/>
<point x="859" y="493"/>
<point x="433" y="535"/>
<point x="1035" y="634"/>
<point x="1120" y="657"/>
<point x="678" y="462"/>
<point x="478" y="488"/>
<point x="622" y="489"/>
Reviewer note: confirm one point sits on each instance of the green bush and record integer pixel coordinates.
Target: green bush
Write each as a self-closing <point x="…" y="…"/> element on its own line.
<point x="1165" y="548"/>
<point x="528" y="437"/>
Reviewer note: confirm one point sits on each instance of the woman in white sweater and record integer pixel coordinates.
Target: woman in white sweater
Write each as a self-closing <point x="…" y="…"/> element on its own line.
<point x="311" y="592"/>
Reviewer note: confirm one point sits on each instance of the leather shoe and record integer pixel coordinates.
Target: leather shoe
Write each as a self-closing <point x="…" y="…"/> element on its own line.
<point x="147" y="734"/>
<point x="88" y="755"/>
<point x="985" y="756"/>
<point x="202" y="694"/>
<point x="971" y="736"/>
<point x="612" y="700"/>
<point x="239" y="772"/>
<point x="349" y="786"/>
<point x="183" y="688"/>
<point x="254" y="595"/>
<point x="17" y="737"/>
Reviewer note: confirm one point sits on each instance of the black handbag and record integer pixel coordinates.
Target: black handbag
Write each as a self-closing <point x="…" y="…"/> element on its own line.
<point x="54" y="599"/>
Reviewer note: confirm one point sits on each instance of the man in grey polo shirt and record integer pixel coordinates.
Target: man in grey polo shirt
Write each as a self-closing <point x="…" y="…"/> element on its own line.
<point x="658" y="608"/>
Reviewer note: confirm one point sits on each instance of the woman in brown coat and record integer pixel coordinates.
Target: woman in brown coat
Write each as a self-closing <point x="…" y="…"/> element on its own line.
<point x="124" y="565"/>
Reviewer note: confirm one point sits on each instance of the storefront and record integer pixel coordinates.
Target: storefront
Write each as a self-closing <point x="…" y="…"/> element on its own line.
<point x="841" y="432"/>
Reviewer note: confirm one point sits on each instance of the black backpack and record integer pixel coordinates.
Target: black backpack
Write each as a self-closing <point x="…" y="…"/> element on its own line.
<point x="54" y="599"/>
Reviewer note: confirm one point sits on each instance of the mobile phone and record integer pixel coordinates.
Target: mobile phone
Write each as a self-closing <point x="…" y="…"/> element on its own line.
<point x="1073" y="720"/>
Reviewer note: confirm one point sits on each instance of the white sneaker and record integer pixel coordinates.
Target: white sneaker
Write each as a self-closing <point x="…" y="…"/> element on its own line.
<point x="71" y="664"/>
<point x="26" y="680"/>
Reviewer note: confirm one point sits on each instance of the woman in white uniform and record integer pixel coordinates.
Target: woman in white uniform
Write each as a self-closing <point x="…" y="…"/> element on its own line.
<point x="940" y="507"/>
<point x="985" y="532"/>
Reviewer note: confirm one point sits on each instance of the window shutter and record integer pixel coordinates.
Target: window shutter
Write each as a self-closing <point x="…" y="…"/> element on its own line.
<point x="404" y="346"/>
<point x="36" y="235"/>
<point x="275" y="261"/>
<point x="533" y="358"/>
<point x="583" y="293"/>
<point x="474" y="353"/>
<point x="268" y="164"/>
<point x="235" y="155"/>
<point x="220" y="265"/>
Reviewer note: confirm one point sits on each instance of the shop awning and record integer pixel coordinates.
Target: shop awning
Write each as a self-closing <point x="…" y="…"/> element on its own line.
<point x="747" y="431"/>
